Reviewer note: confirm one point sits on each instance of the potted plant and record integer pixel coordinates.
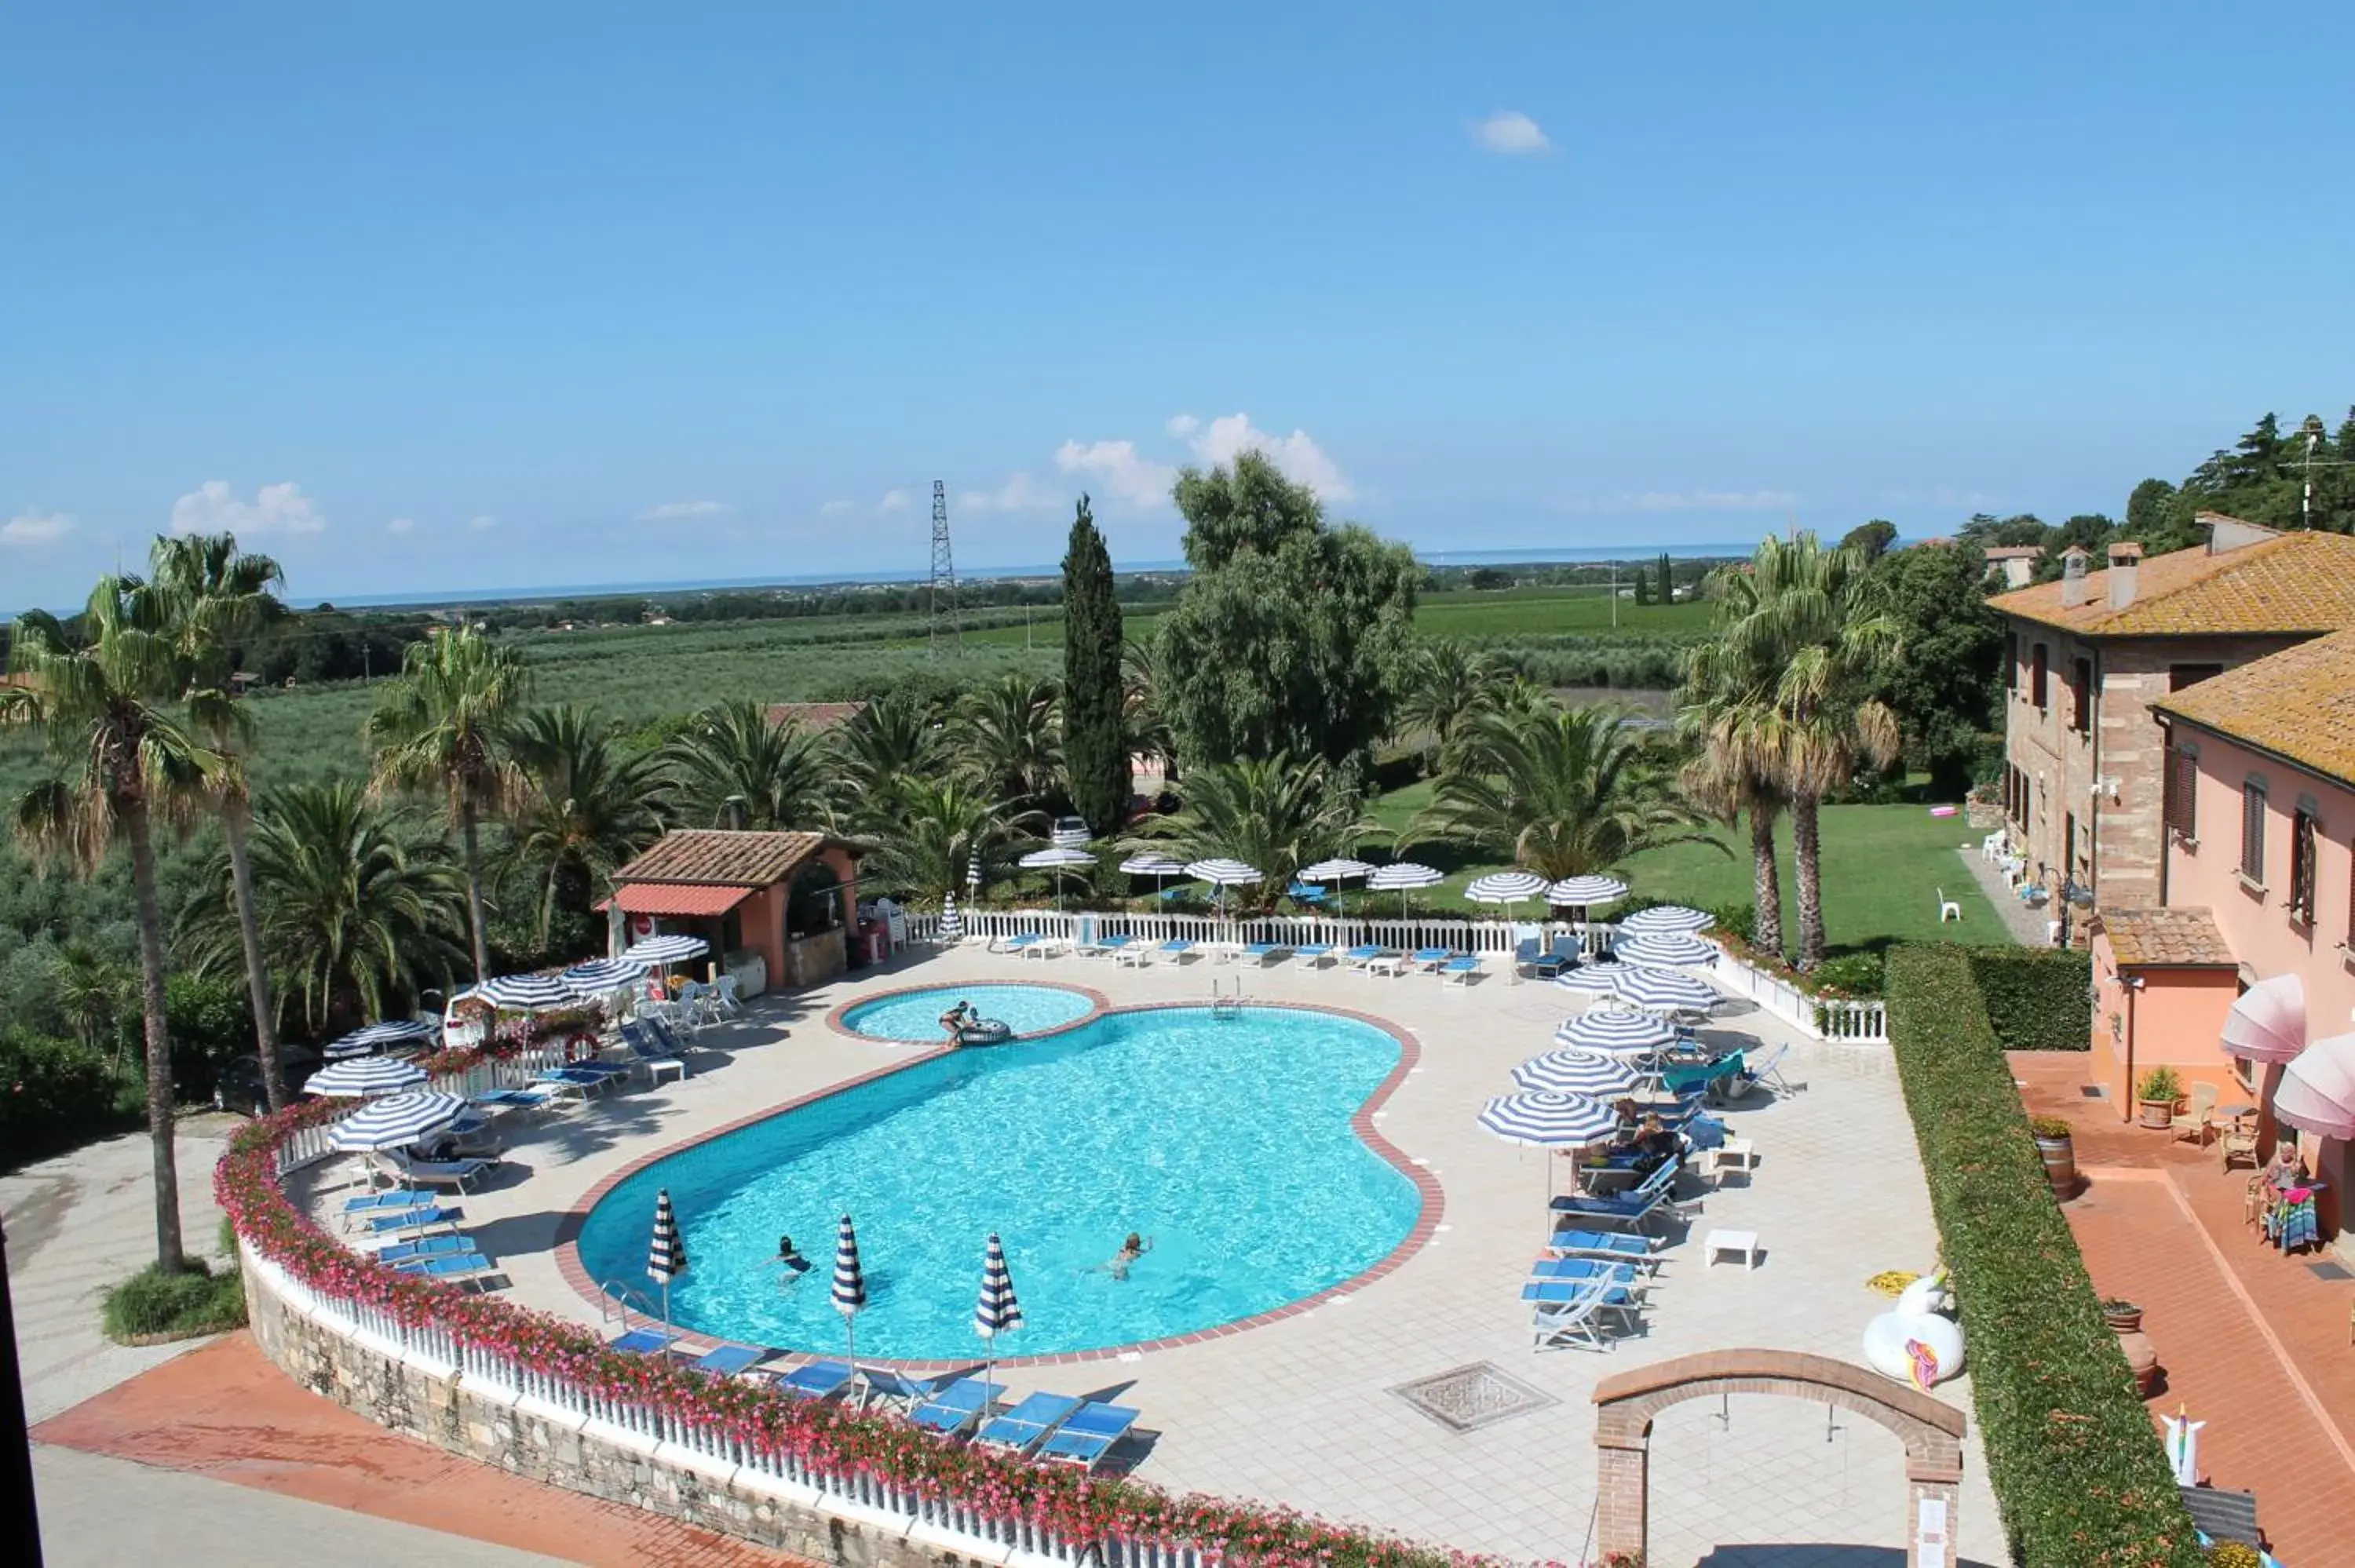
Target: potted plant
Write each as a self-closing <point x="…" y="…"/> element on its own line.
<point x="2060" y="1154"/>
<point x="2123" y="1315"/>
<point x="2157" y="1095"/>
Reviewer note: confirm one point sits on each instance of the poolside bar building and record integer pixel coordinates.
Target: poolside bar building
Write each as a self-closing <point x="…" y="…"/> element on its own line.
<point x="775" y="906"/>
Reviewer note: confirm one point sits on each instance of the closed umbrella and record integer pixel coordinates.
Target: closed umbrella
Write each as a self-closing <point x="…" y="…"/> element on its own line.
<point x="951" y="924"/>
<point x="1663" y="991"/>
<point x="1578" y="1071"/>
<point x="526" y="993"/>
<point x="972" y="876"/>
<point x="656" y="951"/>
<point x="357" y="1076"/>
<point x="997" y="1312"/>
<point x="394" y="1121"/>
<point x="667" y="1260"/>
<point x="1673" y="949"/>
<point x="1615" y="1032"/>
<point x="602" y="975"/>
<point x="380" y="1036"/>
<point x="1223" y="875"/>
<point x="1057" y="859"/>
<point x="1664" y="919"/>
<point x="849" y="1284"/>
<point x="1403" y="874"/>
<point x="2317" y="1091"/>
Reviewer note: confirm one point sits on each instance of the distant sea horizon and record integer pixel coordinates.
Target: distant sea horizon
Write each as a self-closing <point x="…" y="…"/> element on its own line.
<point x="1540" y="557"/>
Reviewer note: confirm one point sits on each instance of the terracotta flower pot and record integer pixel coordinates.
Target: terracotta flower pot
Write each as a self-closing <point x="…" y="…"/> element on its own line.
<point x="2157" y="1115"/>
<point x="2142" y="1358"/>
<point x="2060" y="1165"/>
<point x="2124" y="1318"/>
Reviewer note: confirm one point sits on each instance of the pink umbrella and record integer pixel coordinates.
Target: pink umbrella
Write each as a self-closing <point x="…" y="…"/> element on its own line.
<point x="2268" y="1023"/>
<point x="2317" y="1091"/>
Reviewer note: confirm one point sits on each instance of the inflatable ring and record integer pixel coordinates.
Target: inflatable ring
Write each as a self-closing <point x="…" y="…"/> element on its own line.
<point x="987" y="1032"/>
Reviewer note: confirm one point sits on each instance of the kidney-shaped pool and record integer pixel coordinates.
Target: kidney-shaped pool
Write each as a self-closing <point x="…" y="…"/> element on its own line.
<point x="1225" y="1140"/>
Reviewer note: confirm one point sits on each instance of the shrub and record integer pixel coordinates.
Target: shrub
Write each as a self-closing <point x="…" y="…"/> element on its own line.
<point x="2234" y="1555"/>
<point x="2049" y="1126"/>
<point x="1850" y="974"/>
<point x="211" y="1021"/>
<point x="1738" y="921"/>
<point x="2076" y="1464"/>
<point x="2038" y="999"/>
<point x="54" y="1094"/>
<point x="195" y="1301"/>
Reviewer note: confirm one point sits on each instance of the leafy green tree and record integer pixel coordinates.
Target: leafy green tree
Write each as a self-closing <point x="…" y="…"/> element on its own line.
<point x="2088" y="531"/>
<point x="445" y="727"/>
<point x="1802" y="638"/>
<point x="1872" y="540"/>
<point x="1006" y="735"/>
<point x="104" y="702"/>
<point x="209" y="596"/>
<point x="737" y="767"/>
<point x="93" y="995"/>
<point x="1643" y="587"/>
<point x="2151" y="518"/>
<point x="1095" y="734"/>
<point x="1563" y="792"/>
<point x="1291" y="637"/>
<point x="2021" y="528"/>
<point x="584" y="808"/>
<point x="1273" y="814"/>
<point x="1451" y="685"/>
<point x="1944" y="689"/>
<point x="1666" y="579"/>
<point x="355" y="920"/>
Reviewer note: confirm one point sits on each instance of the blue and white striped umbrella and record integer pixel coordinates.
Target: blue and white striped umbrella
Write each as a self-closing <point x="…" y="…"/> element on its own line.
<point x="1578" y="1071"/>
<point x="1336" y="871"/>
<point x="1665" y="990"/>
<point x="1610" y="1030"/>
<point x="1585" y="890"/>
<point x="1402" y="874"/>
<point x="1505" y="887"/>
<point x="1591" y="979"/>
<point x="997" y="1312"/>
<point x="952" y="923"/>
<point x="1671" y="949"/>
<point x="396" y="1120"/>
<point x="526" y="993"/>
<point x="1546" y="1119"/>
<point x="357" y="1075"/>
<point x="850" y="1282"/>
<point x="1055" y="857"/>
<point x="601" y="975"/>
<point x="1224" y="872"/>
<point x="656" y="951"/>
<point x="379" y="1036"/>
<point x="973" y="877"/>
<point x="1154" y="865"/>
<point x="1665" y="917"/>
<point x="666" y="1259"/>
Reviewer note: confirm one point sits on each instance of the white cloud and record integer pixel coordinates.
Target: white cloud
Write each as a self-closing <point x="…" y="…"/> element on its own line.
<point x="1182" y="425"/>
<point x="31" y="527"/>
<point x="1511" y="132"/>
<point x="1685" y="501"/>
<point x="1118" y="471"/>
<point x="213" y="508"/>
<point x="482" y="522"/>
<point x="400" y="525"/>
<point x="1303" y="460"/>
<point x="894" y="500"/>
<point x="684" y="510"/>
<point x="1020" y="493"/>
<point x="834" y="509"/>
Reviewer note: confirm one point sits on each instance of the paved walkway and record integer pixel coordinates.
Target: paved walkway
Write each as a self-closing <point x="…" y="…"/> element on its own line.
<point x="2026" y="926"/>
<point x="2253" y="1343"/>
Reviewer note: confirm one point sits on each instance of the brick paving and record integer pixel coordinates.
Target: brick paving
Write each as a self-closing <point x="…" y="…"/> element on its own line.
<point x="2253" y="1343"/>
<point x="224" y="1412"/>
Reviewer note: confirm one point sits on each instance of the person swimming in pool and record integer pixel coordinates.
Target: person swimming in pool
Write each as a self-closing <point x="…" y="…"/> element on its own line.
<point x="1131" y="1249"/>
<point x="790" y="1257"/>
<point x="955" y="1019"/>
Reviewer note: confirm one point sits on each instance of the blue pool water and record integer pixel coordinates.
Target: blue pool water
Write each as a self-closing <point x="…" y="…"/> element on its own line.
<point x="916" y="1015"/>
<point x="1226" y="1141"/>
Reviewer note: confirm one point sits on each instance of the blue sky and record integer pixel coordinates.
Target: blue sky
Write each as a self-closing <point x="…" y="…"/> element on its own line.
<point x="443" y="296"/>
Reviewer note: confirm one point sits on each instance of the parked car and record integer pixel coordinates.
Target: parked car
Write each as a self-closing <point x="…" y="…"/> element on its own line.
<point x="239" y="1087"/>
<point x="1068" y="833"/>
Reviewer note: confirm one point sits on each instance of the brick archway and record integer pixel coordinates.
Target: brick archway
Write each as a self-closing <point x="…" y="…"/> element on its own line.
<point x="1624" y="1406"/>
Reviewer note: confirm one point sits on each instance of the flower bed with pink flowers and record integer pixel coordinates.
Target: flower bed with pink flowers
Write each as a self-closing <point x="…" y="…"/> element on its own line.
<point x="1064" y="1506"/>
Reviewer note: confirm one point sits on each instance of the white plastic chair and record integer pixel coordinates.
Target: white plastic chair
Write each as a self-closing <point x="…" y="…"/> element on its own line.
<point x="1947" y="909"/>
<point x="724" y="998"/>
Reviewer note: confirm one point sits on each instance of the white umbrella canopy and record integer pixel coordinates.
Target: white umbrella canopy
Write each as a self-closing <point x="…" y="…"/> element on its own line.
<point x="1578" y="1071"/>
<point x="377" y="1036"/>
<point x="526" y="993"/>
<point x="1505" y="887"/>
<point x="1665" y="990"/>
<point x="1548" y="1118"/>
<point x="1672" y="948"/>
<point x="396" y="1120"/>
<point x="2317" y="1093"/>
<point x="1596" y="980"/>
<point x="2268" y="1022"/>
<point x="1401" y="875"/>
<point x="1663" y="919"/>
<point x="360" y="1076"/>
<point x="1056" y="859"/>
<point x="1585" y="890"/>
<point x="1223" y="875"/>
<point x="1612" y="1031"/>
<point x="1336" y="871"/>
<point x="656" y="951"/>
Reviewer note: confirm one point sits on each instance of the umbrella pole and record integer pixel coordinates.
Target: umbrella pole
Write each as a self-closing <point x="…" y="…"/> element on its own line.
<point x="850" y="1338"/>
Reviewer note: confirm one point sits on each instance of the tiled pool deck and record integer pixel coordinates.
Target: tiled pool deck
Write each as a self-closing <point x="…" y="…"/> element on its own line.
<point x="1296" y="1408"/>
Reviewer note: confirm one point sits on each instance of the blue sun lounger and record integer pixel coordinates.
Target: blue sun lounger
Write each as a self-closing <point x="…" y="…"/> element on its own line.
<point x="377" y="1202"/>
<point x="891" y="1388"/>
<point x="449" y="1266"/>
<point x="953" y="1410"/>
<point x="1459" y="970"/>
<point x="1260" y="952"/>
<point x="1313" y="955"/>
<point x="1614" y="1245"/>
<point x="425" y="1247"/>
<point x="1562" y="1270"/>
<point x="409" y="1219"/>
<point x="1176" y="949"/>
<point x="1088" y="1434"/>
<point x="818" y="1379"/>
<point x="645" y="1342"/>
<point x="1430" y="958"/>
<point x="726" y="1360"/>
<point x="1365" y="953"/>
<point x="509" y="1099"/>
<point x="1025" y="1426"/>
<point x="1018" y="944"/>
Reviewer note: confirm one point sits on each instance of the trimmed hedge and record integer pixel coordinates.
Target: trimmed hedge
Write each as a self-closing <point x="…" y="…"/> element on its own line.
<point x="2038" y="999"/>
<point x="2075" y="1461"/>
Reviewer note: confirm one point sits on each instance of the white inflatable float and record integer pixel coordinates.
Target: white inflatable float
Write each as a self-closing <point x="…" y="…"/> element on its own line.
<point x="1915" y="1341"/>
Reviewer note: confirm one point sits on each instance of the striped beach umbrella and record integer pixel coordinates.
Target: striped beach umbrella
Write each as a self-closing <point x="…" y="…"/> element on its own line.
<point x="601" y="975"/>
<point x="850" y="1282"/>
<point x="1546" y="1119"/>
<point x="1670" y="948"/>
<point x="1057" y="858"/>
<point x="382" y="1036"/>
<point x="1615" y="1032"/>
<point x="973" y="877"/>
<point x="1159" y="868"/>
<point x="997" y="1312"/>
<point x="666" y="1259"/>
<point x="1583" y="891"/>
<point x="1403" y="875"/>
<point x="1223" y="875"/>
<point x="526" y="993"/>
<point x="394" y="1121"/>
<point x="951" y="927"/>
<point x="357" y="1076"/>
<point x="1336" y="871"/>
<point x="1505" y="887"/>
<point x="1578" y="1071"/>
<point x="656" y="951"/>
<point x="1665" y="990"/>
<point x="1596" y="980"/>
<point x="1661" y="918"/>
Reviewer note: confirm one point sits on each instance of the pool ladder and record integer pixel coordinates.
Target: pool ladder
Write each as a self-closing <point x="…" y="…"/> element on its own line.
<point x="1225" y="1006"/>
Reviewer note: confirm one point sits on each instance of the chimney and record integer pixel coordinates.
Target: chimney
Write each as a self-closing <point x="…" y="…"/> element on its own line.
<point x="2072" y="576"/>
<point x="2124" y="556"/>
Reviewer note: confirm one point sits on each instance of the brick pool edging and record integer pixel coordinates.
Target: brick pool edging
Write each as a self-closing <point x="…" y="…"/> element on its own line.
<point x="1427" y="1220"/>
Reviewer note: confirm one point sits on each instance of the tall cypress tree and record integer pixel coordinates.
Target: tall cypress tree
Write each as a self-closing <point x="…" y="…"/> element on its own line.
<point x="1667" y="584"/>
<point x="1096" y="748"/>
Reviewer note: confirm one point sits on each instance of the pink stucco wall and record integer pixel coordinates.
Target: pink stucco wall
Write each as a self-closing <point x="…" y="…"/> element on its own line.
<point x="2175" y="1020"/>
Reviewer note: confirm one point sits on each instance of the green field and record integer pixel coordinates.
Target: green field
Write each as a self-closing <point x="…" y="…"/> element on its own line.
<point x="1883" y="867"/>
<point x="1461" y="612"/>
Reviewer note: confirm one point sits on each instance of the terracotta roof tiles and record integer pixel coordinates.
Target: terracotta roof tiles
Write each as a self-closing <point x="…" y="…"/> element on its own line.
<point x="2166" y="938"/>
<point x="2295" y="583"/>
<point x="2298" y="703"/>
<point x="723" y="858"/>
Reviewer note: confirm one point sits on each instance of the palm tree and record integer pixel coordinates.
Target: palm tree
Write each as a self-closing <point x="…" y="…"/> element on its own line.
<point x="1008" y="736"/>
<point x="354" y="919"/>
<point x="1450" y="685"/>
<point x="1273" y="815"/>
<point x="93" y="995"/>
<point x="586" y="806"/>
<point x="890" y="740"/>
<point x="1802" y="637"/>
<point x="104" y="703"/>
<point x="208" y="597"/>
<point x="443" y="727"/>
<point x="939" y="828"/>
<point x="1726" y="774"/>
<point x="738" y="768"/>
<point x="1149" y="734"/>
<point x="1562" y="792"/>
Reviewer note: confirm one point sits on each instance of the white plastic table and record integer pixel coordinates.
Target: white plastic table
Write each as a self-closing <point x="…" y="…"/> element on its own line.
<point x="1743" y="1242"/>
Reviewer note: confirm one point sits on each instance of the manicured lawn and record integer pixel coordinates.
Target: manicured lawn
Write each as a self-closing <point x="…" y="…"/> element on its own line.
<point x="1883" y="867"/>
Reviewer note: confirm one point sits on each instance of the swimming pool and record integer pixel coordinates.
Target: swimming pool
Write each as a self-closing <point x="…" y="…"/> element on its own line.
<point x="1226" y="1141"/>
<point x="915" y="1015"/>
